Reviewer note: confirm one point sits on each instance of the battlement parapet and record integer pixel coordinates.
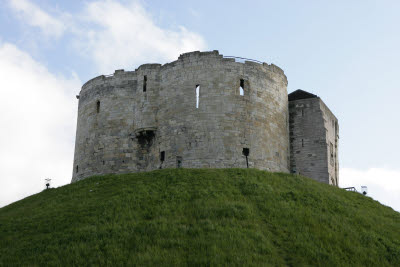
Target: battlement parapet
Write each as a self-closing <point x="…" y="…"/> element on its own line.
<point x="148" y="66"/>
<point x="213" y="53"/>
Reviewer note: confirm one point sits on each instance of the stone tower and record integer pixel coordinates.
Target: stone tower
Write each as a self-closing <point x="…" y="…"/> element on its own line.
<point x="203" y="110"/>
<point x="200" y="111"/>
<point x="314" y="136"/>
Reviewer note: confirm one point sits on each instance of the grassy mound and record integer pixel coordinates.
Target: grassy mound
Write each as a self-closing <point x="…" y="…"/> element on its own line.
<point x="199" y="217"/>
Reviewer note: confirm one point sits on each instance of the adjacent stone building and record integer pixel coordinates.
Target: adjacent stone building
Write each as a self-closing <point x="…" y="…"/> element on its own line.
<point x="314" y="136"/>
<point x="203" y="110"/>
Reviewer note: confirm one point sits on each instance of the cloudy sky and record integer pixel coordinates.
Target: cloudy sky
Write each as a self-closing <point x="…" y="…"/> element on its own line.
<point x="347" y="52"/>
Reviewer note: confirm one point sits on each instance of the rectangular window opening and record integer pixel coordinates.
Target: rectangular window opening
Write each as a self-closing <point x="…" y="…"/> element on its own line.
<point x="246" y="152"/>
<point x="77" y="169"/>
<point x="144" y="83"/>
<point x="98" y="106"/>
<point x="197" y="95"/>
<point x="162" y="156"/>
<point x="241" y="88"/>
<point x="332" y="157"/>
<point x="302" y="142"/>
<point x="179" y="162"/>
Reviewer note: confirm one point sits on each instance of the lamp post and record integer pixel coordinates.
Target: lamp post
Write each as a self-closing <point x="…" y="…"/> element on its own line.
<point x="47" y="183"/>
<point x="364" y="190"/>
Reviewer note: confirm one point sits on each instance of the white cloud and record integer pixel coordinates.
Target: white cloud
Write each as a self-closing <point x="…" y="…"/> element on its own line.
<point x="38" y="117"/>
<point x="113" y="35"/>
<point x="117" y="36"/>
<point x="38" y="109"/>
<point x="35" y="16"/>
<point x="383" y="184"/>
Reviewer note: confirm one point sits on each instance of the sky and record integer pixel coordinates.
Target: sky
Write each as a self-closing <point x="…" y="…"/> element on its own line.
<point x="346" y="52"/>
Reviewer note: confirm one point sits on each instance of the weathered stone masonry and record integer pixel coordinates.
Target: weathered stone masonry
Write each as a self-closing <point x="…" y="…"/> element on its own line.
<point x="314" y="138"/>
<point x="152" y="118"/>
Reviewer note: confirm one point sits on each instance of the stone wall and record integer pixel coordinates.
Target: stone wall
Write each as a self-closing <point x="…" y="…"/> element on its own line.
<point x="147" y="119"/>
<point x="332" y="141"/>
<point x="314" y="137"/>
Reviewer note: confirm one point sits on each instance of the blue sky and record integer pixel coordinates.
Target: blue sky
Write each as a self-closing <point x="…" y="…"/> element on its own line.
<point x="347" y="52"/>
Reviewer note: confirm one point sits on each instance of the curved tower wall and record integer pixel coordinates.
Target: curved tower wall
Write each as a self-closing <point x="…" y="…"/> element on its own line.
<point x="135" y="123"/>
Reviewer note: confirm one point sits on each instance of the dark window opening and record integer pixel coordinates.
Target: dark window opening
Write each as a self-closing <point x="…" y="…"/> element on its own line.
<point x="145" y="138"/>
<point x="104" y="162"/>
<point x="197" y="95"/>
<point x="302" y="142"/>
<point x="144" y="83"/>
<point x="77" y="169"/>
<point x="332" y="157"/>
<point x="242" y="83"/>
<point x="241" y="88"/>
<point x="98" y="106"/>
<point x="302" y="112"/>
<point x="162" y="156"/>
<point x="179" y="162"/>
<point x="246" y="152"/>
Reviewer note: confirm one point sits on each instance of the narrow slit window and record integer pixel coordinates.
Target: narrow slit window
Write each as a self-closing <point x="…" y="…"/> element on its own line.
<point x="162" y="156"/>
<point x="246" y="152"/>
<point x="197" y="95"/>
<point x="302" y="112"/>
<point x="179" y="162"/>
<point x="241" y="88"/>
<point x="144" y="83"/>
<point x="302" y="142"/>
<point x="98" y="106"/>
<point x="77" y="169"/>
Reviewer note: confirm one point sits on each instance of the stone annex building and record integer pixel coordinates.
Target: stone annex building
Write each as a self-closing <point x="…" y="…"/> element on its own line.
<point x="203" y="110"/>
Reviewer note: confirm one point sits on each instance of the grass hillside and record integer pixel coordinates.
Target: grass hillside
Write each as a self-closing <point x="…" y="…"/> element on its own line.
<point x="199" y="217"/>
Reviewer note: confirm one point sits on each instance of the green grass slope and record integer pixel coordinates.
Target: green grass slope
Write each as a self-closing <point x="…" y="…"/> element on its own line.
<point x="196" y="217"/>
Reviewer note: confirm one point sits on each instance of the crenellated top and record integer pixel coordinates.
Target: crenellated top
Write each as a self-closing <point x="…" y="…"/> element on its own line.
<point x="149" y="66"/>
<point x="191" y="58"/>
<point x="213" y="53"/>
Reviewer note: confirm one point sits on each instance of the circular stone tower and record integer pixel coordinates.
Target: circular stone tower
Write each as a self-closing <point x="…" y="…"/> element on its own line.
<point x="200" y="111"/>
